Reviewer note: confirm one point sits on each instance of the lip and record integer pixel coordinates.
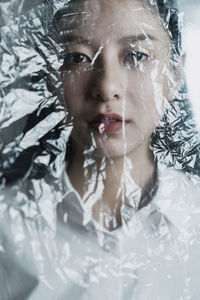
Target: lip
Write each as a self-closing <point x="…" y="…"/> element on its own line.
<point x="107" y="122"/>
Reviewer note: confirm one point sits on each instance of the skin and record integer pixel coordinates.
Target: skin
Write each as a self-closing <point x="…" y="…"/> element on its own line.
<point x="124" y="64"/>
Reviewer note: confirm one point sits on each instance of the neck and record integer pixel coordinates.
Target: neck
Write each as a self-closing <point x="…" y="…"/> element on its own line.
<point x="107" y="179"/>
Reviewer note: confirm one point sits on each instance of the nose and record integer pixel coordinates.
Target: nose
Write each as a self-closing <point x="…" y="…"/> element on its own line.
<point x="107" y="81"/>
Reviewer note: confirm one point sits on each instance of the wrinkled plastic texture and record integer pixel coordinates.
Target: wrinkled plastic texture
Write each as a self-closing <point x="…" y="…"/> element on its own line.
<point x="56" y="239"/>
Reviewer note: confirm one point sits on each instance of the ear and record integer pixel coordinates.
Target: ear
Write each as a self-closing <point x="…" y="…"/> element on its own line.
<point x="178" y="76"/>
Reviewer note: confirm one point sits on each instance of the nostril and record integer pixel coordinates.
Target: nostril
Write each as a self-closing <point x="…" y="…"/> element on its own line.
<point x="98" y="97"/>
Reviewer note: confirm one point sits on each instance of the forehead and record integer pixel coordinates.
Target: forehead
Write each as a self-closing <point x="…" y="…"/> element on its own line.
<point x="106" y="19"/>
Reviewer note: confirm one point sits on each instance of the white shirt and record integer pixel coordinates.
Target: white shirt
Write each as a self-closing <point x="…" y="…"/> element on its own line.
<point x="155" y="255"/>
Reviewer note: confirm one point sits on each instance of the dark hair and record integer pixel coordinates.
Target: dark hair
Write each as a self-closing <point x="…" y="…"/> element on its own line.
<point x="166" y="9"/>
<point x="170" y="17"/>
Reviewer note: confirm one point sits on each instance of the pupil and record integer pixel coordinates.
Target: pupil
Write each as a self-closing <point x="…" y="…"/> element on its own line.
<point x="139" y="55"/>
<point x="78" y="58"/>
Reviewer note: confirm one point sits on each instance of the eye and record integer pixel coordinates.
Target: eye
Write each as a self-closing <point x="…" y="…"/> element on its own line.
<point x="135" y="57"/>
<point x="75" y="59"/>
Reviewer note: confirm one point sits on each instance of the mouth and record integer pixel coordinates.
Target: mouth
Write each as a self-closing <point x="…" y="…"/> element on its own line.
<point x="107" y="123"/>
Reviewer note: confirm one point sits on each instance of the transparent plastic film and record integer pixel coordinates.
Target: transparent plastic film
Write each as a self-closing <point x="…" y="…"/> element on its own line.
<point x="99" y="150"/>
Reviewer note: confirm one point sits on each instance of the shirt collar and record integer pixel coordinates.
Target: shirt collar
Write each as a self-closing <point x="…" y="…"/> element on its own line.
<point x="168" y="201"/>
<point x="73" y="202"/>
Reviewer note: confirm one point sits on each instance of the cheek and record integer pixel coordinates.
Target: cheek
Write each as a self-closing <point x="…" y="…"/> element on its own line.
<point x="162" y="78"/>
<point x="145" y="100"/>
<point x="74" y="93"/>
<point x="143" y="90"/>
<point x="151" y="88"/>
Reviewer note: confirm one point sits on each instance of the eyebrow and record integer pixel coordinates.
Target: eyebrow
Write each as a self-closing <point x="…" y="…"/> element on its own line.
<point x="74" y="39"/>
<point x="138" y="37"/>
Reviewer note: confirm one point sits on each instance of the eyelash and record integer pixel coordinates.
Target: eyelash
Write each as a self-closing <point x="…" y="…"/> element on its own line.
<point x="81" y="59"/>
<point x="136" y="56"/>
<point x="75" y="58"/>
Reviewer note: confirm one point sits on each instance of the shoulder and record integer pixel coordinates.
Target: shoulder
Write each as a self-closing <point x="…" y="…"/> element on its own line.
<point x="178" y="197"/>
<point x="177" y="184"/>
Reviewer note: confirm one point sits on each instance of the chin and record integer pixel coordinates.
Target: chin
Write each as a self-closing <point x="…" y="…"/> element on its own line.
<point x="108" y="154"/>
<point x="105" y="147"/>
<point x="110" y="150"/>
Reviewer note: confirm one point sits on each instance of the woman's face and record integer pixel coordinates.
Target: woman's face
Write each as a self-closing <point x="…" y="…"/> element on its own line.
<point x="117" y="75"/>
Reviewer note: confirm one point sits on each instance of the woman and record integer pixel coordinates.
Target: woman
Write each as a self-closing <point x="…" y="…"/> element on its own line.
<point x="121" y="70"/>
<point x="116" y="87"/>
<point x="123" y="231"/>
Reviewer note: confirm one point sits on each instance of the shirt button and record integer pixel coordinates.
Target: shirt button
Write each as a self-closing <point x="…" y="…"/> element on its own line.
<point x="110" y="244"/>
<point x="89" y="226"/>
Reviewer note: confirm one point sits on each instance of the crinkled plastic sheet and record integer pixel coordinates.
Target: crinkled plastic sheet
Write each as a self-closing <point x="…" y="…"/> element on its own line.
<point x="50" y="246"/>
